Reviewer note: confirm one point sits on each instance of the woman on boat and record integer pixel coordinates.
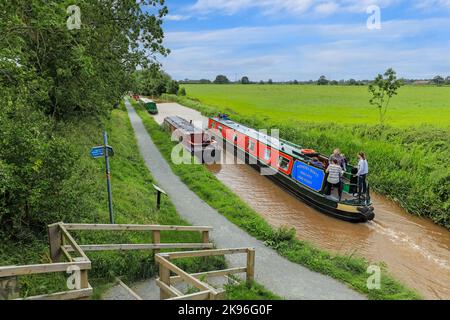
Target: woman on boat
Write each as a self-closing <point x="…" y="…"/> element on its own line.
<point x="335" y="173"/>
<point x="337" y="155"/>
<point x="363" y="171"/>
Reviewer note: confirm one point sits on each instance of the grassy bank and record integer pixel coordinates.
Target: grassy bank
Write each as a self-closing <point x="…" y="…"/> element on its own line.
<point x="414" y="105"/>
<point x="349" y="270"/>
<point x="134" y="203"/>
<point x="411" y="166"/>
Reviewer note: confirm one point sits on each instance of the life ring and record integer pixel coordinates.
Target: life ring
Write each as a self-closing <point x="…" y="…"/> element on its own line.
<point x="309" y="151"/>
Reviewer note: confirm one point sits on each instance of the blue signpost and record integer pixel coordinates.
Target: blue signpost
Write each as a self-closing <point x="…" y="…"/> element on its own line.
<point x="106" y="151"/>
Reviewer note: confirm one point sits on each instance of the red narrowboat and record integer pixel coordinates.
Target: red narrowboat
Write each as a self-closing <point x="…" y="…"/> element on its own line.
<point x="292" y="168"/>
<point x="195" y="140"/>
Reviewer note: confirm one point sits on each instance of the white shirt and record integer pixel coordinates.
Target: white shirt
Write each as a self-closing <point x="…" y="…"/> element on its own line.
<point x="363" y="167"/>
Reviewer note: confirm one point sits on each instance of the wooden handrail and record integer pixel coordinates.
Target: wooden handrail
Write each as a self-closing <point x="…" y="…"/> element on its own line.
<point x="12" y="271"/>
<point x="191" y="254"/>
<point x="127" y="247"/>
<point x="131" y="227"/>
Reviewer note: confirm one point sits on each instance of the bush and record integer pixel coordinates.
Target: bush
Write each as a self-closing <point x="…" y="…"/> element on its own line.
<point x="182" y="92"/>
<point x="172" y="87"/>
<point x="38" y="171"/>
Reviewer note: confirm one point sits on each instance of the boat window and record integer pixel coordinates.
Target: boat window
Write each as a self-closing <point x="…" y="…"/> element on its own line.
<point x="220" y="129"/>
<point x="251" y="145"/>
<point x="283" y="163"/>
<point x="235" y="138"/>
<point x="267" y="154"/>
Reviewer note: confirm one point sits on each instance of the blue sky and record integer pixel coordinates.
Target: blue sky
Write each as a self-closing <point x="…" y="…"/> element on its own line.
<point x="303" y="39"/>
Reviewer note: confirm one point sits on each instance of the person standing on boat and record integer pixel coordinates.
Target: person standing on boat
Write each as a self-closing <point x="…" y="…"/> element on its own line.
<point x="363" y="171"/>
<point x="337" y="155"/>
<point x="335" y="174"/>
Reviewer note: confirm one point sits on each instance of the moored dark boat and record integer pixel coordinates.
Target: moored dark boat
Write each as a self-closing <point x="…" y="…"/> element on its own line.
<point x="290" y="166"/>
<point x="195" y="140"/>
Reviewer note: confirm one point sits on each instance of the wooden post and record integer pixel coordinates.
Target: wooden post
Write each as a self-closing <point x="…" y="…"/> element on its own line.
<point x="158" y="200"/>
<point x="54" y="238"/>
<point x="205" y="236"/>
<point x="84" y="282"/>
<point x="250" y="265"/>
<point x="156" y="240"/>
<point x="164" y="276"/>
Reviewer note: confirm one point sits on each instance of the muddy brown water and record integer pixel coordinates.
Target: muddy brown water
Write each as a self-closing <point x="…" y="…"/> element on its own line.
<point x="415" y="250"/>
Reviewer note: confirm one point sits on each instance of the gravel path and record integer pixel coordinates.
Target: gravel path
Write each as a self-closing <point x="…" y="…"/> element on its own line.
<point x="276" y="273"/>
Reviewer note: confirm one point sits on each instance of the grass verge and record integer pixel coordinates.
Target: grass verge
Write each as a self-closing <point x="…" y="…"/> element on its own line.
<point x="350" y="270"/>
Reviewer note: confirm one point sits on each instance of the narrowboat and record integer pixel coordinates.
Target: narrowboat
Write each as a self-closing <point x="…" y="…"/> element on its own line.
<point x="150" y="105"/>
<point x="197" y="141"/>
<point x="292" y="168"/>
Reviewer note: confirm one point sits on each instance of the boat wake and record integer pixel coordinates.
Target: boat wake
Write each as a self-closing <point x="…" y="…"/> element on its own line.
<point x="402" y="238"/>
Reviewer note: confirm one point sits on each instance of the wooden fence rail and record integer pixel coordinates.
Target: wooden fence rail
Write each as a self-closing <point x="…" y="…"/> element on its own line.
<point x="166" y="282"/>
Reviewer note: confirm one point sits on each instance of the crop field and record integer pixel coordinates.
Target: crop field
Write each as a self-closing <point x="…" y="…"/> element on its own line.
<point x="414" y="105"/>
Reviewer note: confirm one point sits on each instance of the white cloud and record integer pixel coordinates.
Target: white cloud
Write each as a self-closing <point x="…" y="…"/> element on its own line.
<point x="298" y="7"/>
<point x="302" y="7"/>
<point x="176" y="17"/>
<point x="433" y="4"/>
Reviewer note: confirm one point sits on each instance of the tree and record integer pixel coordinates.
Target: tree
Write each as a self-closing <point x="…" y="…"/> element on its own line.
<point x="295" y="81"/>
<point x="85" y="71"/>
<point x="152" y="81"/>
<point x="270" y="81"/>
<point x="172" y="87"/>
<point x="245" y="80"/>
<point x="447" y="80"/>
<point x="261" y="82"/>
<point x="322" y="81"/>
<point x="352" y="82"/>
<point x="382" y="90"/>
<point x="221" y="79"/>
<point x="438" y="80"/>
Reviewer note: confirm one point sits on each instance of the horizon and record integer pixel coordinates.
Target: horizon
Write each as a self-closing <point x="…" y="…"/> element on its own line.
<point x="287" y="40"/>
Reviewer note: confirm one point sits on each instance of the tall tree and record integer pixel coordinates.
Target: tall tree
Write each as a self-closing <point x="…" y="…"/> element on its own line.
<point x="438" y="80"/>
<point x="245" y="80"/>
<point x="221" y="79"/>
<point x="382" y="90"/>
<point x="322" y="81"/>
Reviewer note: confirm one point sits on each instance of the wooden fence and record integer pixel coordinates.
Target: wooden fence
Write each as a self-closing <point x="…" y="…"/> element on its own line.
<point x="166" y="282"/>
<point x="64" y="246"/>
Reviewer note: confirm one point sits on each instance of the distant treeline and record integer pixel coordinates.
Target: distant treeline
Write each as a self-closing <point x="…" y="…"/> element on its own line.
<point x="323" y="80"/>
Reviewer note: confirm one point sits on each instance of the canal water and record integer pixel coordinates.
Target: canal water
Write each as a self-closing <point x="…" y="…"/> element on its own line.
<point x="415" y="250"/>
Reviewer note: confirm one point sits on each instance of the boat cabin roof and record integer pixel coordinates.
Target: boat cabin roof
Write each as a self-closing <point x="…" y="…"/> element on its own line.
<point x="145" y="100"/>
<point x="280" y="144"/>
<point x="183" y="125"/>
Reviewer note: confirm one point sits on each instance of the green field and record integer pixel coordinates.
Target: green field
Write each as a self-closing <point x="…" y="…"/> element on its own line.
<point x="414" y="105"/>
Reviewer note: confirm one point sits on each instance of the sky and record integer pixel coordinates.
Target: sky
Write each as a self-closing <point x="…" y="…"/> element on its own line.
<point x="303" y="39"/>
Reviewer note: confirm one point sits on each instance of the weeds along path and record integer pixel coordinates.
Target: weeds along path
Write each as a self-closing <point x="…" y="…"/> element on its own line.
<point x="276" y="273"/>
